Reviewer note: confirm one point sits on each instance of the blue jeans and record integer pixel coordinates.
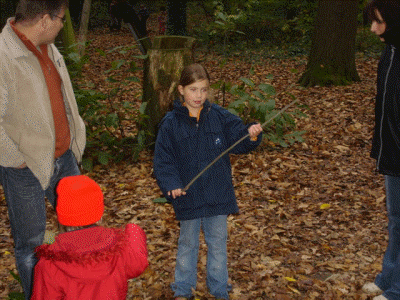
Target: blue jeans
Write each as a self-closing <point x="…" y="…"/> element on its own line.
<point x="27" y="211"/>
<point x="389" y="279"/>
<point x="215" y="234"/>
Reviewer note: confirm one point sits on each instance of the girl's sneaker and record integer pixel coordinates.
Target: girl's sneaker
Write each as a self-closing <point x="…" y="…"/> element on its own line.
<point x="381" y="297"/>
<point x="371" y="288"/>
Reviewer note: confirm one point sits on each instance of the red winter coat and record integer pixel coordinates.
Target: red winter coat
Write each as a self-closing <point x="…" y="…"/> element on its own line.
<point x="91" y="264"/>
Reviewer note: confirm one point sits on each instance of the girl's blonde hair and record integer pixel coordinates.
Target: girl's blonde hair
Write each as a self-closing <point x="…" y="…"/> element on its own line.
<point x="193" y="73"/>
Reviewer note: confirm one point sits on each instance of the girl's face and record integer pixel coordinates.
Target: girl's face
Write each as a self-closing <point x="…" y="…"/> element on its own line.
<point x="195" y="94"/>
<point x="378" y="27"/>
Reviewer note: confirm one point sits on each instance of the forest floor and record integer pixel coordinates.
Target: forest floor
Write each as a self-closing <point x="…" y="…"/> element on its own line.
<point x="312" y="222"/>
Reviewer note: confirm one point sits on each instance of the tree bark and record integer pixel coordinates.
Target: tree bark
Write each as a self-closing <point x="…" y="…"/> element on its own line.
<point x="166" y="60"/>
<point x="68" y="35"/>
<point x="332" y="56"/>
<point x="83" y="27"/>
<point x="67" y="41"/>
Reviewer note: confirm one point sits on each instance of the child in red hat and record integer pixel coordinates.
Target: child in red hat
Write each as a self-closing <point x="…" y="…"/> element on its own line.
<point x="87" y="261"/>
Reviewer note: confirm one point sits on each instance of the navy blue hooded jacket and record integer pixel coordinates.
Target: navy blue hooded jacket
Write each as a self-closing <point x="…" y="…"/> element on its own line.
<point x="386" y="140"/>
<point x="185" y="146"/>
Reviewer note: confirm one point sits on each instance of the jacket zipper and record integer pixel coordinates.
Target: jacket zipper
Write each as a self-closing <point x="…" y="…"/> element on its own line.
<point x="383" y="108"/>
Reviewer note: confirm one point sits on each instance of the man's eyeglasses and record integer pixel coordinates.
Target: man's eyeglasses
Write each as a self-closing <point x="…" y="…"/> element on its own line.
<point x="63" y="19"/>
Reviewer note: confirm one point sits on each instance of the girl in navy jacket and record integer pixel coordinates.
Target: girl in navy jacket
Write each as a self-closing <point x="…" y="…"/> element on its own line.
<point x="190" y="137"/>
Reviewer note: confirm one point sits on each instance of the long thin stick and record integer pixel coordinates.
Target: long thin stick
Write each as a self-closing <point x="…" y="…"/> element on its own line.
<point x="234" y="145"/>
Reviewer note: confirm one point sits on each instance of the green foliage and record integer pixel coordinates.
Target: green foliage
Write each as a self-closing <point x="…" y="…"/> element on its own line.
<point x="99" y="13"/>
<point x="279" y="21"/>
<point x="368" y="43"/>
<point x="16" y="295"/>
<point x="225" y="25"/>
<point x="105" y="115"/>
<point x="160" y="200"/>
<point x="257" y="103"/>
<point x="15" y="276"/>
<point x="251" y="102"/>
<point x="73" y="60"/>
<point x="268" y="21"/>
<point x="284" y="27"/>
<point x="299" y="20"/>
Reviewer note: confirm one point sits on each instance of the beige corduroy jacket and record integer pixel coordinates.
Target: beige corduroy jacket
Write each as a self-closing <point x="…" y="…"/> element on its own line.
<point x="26" y="119"/>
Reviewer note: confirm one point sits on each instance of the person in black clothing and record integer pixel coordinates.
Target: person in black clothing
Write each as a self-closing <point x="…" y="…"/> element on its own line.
<point x="121" y="10"/>
<point x="143" y="15"/>
<point x="115" y="19"/>
<point x="384" y="15"/>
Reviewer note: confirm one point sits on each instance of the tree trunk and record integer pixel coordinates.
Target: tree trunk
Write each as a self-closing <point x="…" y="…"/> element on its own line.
<point x="166" y="60"/>
<point x="68" y="35"/>
<point x="83" y="26"/>
<point x="67" y="41"/>
<point x="177" y="17"/>
<point x="332" y="57"/>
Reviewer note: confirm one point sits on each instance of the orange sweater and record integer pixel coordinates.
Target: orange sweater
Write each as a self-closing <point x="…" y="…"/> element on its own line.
<point x="53" y="82"/>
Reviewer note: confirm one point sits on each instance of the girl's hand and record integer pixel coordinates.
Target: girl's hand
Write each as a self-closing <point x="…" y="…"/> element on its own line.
<point x="176" y="193"/>
<point x="255" y="130"/>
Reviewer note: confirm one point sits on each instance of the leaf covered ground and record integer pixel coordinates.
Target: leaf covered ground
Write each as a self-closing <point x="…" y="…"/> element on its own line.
<point x="312" y="222"/>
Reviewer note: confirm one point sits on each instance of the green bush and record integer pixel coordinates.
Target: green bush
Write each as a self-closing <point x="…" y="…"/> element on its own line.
<point x="267" y="24"/>
<point x="104" y="114"/>
<point x="257" y="103"/>
<point x="271" y="21"/>
<point x="368" y="43"/>
<point x="16" y="295"/>
<point x="99" y="14"/>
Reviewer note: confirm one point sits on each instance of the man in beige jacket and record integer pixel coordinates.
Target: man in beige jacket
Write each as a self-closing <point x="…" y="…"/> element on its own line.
<point x="42" y="136"/>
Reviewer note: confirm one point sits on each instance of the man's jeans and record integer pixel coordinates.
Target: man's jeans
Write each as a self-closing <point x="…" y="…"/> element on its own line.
<point x="389" y="279"/>
<point x="215" y="234"/>
<point x="27" y="211"/>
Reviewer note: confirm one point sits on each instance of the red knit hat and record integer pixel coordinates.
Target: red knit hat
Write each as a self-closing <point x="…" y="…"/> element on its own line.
<point x="79" y="201"/>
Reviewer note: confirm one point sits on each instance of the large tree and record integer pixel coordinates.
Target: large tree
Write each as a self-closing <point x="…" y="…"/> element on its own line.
<point x="332" y="56"/>
<point x="84" y="25"/>
<point x="67" y="35"/>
